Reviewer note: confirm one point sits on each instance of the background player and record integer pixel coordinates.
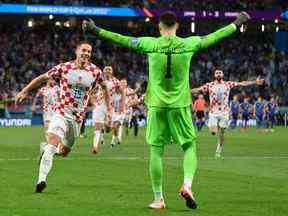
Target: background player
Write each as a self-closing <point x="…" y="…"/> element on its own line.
<point x="246" y="110"/>
<point x="219" y="91"/>
<point x="118" y="116"/>
<point x="234" y="108"/>
<point x="168" y="93"/>
<point x="271" y="109"/>
<point x="77" y="80"/>
<point x="199" y="107"/>
<point x="259" y="113"/>
<point x="100" y="111"/>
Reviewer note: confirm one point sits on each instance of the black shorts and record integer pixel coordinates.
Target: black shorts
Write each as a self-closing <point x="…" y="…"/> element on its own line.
<point x="245" y="117"/>
<point x="200" y="114"/>
<point x="234" y="116"/>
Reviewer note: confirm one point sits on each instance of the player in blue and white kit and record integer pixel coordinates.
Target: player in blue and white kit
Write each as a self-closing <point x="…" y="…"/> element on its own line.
<point x="246" y="109"/>
<point x="271" y="109"/>
<point x="234" y="108"/>
<point x="259" y="113"/>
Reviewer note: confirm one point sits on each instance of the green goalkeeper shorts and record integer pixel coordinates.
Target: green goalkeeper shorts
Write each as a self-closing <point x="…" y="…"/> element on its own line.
<point x="169" y="124"/>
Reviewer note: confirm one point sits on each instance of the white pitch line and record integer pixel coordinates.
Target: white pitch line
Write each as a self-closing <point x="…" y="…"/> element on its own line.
<point x="146" y="158"/>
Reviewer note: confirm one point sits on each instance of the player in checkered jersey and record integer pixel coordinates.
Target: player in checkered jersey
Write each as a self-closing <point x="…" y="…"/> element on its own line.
<point x="118" y="115"/>
<point x="100" y="108"/>
<point x="50" y="94"/>
<point x="122" y="110"/>
<point x="131" y="99"/>
<point x="77" y="80"/>
<point x="218" y="91"/>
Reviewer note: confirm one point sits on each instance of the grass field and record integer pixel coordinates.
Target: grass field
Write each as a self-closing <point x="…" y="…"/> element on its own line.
<point x="251" y="180"/>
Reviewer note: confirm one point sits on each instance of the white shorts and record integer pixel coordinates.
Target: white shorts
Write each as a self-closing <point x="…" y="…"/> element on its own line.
<point x="47" y="116"/>
<point x="118" y="117"/>
<point x="221" y="120"/>
<point x="65" y="128"/>
<point x="99" y="114"/>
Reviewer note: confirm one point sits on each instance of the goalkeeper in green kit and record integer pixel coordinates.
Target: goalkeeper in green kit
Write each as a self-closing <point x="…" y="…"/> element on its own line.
<point x="168" y="94"/>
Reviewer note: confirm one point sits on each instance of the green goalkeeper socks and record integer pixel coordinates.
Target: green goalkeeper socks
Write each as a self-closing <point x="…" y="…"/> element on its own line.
<point x="156" y="170"/>
<point x="189" y="164"/>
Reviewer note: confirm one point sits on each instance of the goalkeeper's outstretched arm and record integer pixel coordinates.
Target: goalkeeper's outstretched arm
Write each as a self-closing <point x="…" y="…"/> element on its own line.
<point x="141" y="44"/>
<point x="222" y="33"/>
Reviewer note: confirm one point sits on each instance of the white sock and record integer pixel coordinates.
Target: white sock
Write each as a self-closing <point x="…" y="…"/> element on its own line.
<point x="120" y="131"/>
<point x="46" y="162"/>
<point x="187" y="183"/>
<point x="58" y="149"/>
<point x="114" y="140"/>
<point x="219" y="148"/>
<point x="97" y="138"/>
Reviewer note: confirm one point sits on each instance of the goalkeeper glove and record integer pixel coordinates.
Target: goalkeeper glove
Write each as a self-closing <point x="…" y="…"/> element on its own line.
<point x="242" y="18"/>
<point x="88" y="26"/>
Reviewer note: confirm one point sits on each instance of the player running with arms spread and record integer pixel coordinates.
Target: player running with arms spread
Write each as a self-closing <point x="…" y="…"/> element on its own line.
<point x="219" y="91"/>
<point x="168" y="96"/>
<point x="50" y="94"/>
<point x="100" y="109"/>
<point x="77" y="80"/>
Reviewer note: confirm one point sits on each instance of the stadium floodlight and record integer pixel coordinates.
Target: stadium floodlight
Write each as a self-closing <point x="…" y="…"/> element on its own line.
<point x="51" y="16"/>
<point x="67" y="24"/>
<point x="193" y="27"/>
<point x="30" y="23"/>
<point x="58" y="23"/>
<point x="276" y="21"/>
<point x="263" y="28"/>
<point x="147" y="19"/>
<point x="277" y="28"/>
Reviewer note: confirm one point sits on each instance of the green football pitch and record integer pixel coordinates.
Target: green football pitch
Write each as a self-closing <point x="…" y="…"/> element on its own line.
<point x="251" y="180"/>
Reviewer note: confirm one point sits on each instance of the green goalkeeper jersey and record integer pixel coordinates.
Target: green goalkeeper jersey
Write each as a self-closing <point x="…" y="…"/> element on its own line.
<point x="169" y="63"/>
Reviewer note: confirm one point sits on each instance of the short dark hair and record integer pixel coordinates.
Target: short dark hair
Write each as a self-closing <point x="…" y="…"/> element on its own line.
<point x="83" y="42"/>
<point x="168" y="18"/>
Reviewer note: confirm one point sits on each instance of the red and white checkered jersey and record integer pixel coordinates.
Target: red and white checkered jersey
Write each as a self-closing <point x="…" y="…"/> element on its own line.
<point x="113" y="85"/>
<point x="98" y="97"/>
<point x="131" y="96"/>
<point x="50" y="97"/>
<point x="75" y="86"/>
<point x="219" y="95"/>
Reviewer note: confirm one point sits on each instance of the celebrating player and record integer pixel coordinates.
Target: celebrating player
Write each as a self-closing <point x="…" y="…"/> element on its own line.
<point x="50" y="94"/>
<point x="168" y="94"/>
<point x="118" y="113"/>
<point x="219" y="91"/>
<point x="77" y="80"/>
<point x="100" y="110"/>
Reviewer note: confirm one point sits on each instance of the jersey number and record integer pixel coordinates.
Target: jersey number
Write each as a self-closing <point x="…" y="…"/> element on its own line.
<point x="168" y="69"/>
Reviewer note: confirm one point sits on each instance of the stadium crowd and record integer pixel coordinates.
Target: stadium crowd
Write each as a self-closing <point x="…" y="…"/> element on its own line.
<point x="26" y="53"/>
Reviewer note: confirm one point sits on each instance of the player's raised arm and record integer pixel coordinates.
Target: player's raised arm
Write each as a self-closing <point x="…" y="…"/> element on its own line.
<point x="222" y="33"/>
<point x="141" y="44"/>
<point x="258" y="81"/>
<point x="35" y="83"/>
